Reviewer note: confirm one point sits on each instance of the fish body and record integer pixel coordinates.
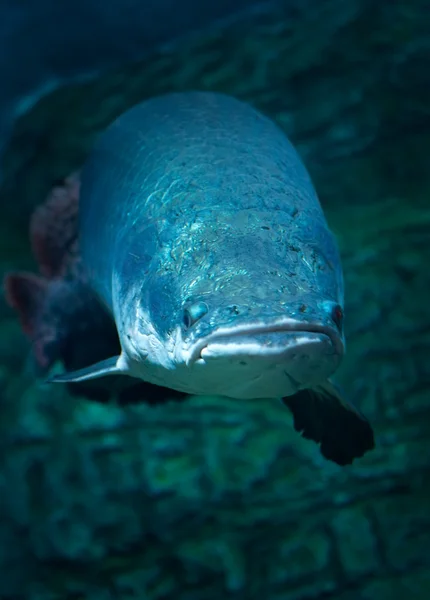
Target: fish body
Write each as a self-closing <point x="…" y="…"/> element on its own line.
<point x="197" y="200"/>
<point x="202" y="236"/>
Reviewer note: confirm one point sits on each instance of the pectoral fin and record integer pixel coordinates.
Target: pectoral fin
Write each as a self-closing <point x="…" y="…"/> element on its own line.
<point x="100" y="369"/>
<point x="324" y="416"/>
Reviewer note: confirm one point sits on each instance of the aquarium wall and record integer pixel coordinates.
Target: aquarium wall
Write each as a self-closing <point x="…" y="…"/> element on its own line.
<point x="211" y="498"/>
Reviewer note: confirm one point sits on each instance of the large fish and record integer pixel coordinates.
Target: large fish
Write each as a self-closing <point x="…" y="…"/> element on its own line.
<point x="201" y="233"/>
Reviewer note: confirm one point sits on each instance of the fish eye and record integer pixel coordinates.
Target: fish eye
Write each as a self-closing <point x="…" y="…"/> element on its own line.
<point x="193" y="313"/>
<point x="337" y="316"/>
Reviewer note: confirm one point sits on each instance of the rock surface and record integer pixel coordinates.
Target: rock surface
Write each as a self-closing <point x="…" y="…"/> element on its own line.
<point x="47" y="44"/>
<point x="213" y="498"/>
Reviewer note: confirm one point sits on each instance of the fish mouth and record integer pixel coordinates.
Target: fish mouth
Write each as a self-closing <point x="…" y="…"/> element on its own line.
<point x="265" y="340"/>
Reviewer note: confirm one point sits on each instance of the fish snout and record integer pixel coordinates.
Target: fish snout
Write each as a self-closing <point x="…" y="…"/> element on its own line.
<point x="314" y="329"/>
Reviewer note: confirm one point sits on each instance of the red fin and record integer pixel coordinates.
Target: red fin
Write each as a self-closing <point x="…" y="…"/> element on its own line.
<point x="54" y="229"/>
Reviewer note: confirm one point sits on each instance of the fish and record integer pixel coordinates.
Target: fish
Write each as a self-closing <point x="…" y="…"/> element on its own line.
<point x="202" y="236"/>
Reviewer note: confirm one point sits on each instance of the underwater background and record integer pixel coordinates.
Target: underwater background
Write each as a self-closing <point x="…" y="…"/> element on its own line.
<point x="214" y="498"/>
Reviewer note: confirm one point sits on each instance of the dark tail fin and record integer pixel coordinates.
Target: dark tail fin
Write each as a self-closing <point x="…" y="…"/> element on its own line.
<point x="324" y="416"/>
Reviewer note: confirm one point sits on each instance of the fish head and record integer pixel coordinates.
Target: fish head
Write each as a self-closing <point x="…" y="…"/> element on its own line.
<point x="238" y="312"/>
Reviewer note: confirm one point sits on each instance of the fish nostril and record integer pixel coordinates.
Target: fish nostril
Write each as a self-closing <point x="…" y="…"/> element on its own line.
<point x="335" y="313"/>
<point x="337" y="316"/>
<point x="193" y="313"/>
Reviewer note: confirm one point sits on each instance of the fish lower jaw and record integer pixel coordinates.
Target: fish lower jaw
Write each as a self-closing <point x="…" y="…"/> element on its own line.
<point x="249" y="381"/>
<point x="287" y="346"/>
<point x="247" y="368"/>
<point x="267" y="341"/>
<point x="241" y="350"/>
